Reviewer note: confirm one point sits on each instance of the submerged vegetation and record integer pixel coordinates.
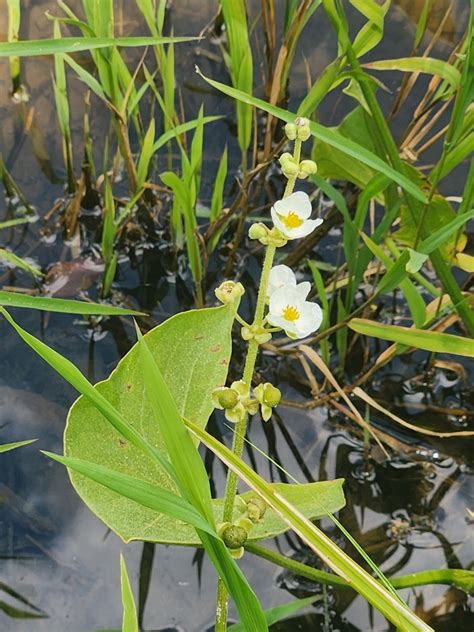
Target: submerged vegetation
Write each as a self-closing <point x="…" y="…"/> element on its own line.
<point x="398" y="287"/>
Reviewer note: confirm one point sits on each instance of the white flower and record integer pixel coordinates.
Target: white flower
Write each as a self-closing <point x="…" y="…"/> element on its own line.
<point x="290" y="215"/>
<point x="291" y="312"/>
<point x="281" y="276"/>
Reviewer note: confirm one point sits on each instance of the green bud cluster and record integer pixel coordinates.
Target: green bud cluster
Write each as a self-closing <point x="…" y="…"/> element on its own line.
<point x="267" y="236"/>
<point x="235" y="401"/>
<point x="299" y="130"/>
<point x="257" y="332"/>
<point x="293" y="169"/>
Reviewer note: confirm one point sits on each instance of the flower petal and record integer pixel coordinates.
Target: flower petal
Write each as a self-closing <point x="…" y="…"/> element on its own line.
<point x="311" y="316"/>
<point x="301" y="231"/>
<point x="280" y="276"/>
<point x="297" y="202"/>
<point x="303" y="289"/>
<point x="282" y="297"/>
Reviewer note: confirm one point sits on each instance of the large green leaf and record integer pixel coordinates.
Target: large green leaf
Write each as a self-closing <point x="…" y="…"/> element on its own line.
<point x="192" y="351"/>
<point x="334" y="163"/>
<point x="438" y="218"/>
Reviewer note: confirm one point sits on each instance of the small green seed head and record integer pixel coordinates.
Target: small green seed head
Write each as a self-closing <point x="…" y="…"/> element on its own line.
<point x="234" y="536"/>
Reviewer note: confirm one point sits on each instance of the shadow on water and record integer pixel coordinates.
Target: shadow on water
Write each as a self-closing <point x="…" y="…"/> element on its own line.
<point x="59" y="564"/>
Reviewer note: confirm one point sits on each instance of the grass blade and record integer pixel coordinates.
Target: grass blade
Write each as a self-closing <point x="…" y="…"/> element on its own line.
<point x="328" y="136"/>
<point x="31" y="48"/>
<point x="418" y="338"/>
<point x="71" y="374"/>
<point x="18" y="262"/>
<point x="6" y="447"/>
<point x="61" y="305"/>
<point x="194" y="485"/>
<point x="280" y="612"/>
<point x="426" y="65"/>
<point x="333" y="556"/>
<point x="129" y="621"/>
<point x="151" y="496"/>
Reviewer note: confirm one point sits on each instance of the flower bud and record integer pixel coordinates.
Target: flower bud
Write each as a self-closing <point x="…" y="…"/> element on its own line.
<point x="303" y="131"/>
<point x="307" y="168"/>
<point x="256" y="508"/>
<point x="289" y="166"/>
<point x="258" y="231"/>
<point x="258" y="332"/>
<point x="229" y="292"/>
<point x="276" y="238"/>
<point x="290" y="131"/>
<point x="225" y="398"/>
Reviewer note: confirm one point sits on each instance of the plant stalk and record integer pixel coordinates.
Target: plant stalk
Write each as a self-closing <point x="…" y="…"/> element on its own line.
<point x="241" y="428"/>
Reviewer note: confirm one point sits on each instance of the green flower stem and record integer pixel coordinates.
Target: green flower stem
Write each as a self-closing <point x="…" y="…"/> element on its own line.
<point x="241" y="428"/>
<point x="457" y="577"/>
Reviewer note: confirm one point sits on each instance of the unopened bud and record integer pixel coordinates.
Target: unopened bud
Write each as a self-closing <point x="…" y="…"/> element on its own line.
<point x="258" y="231"/>
<point x="303" y="131"/>
<point x="256" y="508"/>
<point x="289" y="166"/>
<point x="229" y="292"/>
<point x="307" y="168"/>
<point x="290" y="131"/>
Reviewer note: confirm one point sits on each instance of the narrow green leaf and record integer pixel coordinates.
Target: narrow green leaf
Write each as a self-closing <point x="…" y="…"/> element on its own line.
<point x="72" y="375"/>
<point x="191" y="473"/>
<point x="6" y="447"/>
<point x="280" y="612"/>
<point x="418" y="338"/>
<point x="18" y="262"/>
<point x="181" y="129"/>
<point x="427" y="65"/>
<point x="154" y="497"/>
<point x="29" y="48"/>
<point x="15" y="222"/>
<point x="387" y="603"/>
<point x="129" y="621"/>
<point x="146" y="155"/>
<point x="326" y="135"/>
<point x="61" y="305"/>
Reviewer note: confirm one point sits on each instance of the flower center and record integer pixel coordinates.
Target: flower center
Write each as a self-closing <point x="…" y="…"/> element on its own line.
<point x="292" y="220"/>
<point x="290" y="313"/>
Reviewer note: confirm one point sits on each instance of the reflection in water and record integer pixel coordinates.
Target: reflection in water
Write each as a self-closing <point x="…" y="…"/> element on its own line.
<point x="56" y="559"/>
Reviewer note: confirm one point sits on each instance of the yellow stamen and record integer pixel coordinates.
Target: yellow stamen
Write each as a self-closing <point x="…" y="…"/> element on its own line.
<point x="292" y="220"/>
<point x="291" y="313"/>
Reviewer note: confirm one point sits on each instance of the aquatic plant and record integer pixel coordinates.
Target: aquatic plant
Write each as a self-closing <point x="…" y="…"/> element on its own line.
<point x="130" y="444"/>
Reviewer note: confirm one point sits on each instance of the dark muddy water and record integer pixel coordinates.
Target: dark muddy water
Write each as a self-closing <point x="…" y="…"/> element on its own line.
<point x="409" y="513"/>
